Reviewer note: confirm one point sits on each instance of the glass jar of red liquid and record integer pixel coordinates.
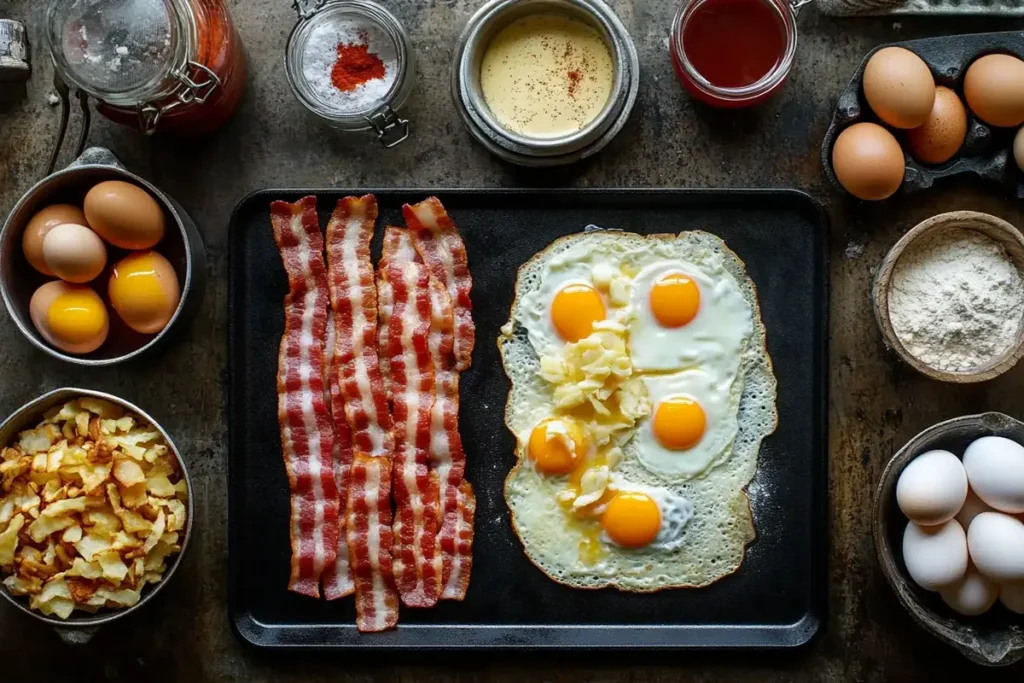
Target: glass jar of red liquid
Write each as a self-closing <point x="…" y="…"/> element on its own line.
<point x="734" y="53"/>
<point x="170" y="65"/>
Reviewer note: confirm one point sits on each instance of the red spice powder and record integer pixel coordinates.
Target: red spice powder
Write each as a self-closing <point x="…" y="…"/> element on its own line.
<point x="355" y="66"/>
<point x="574" y="81"/>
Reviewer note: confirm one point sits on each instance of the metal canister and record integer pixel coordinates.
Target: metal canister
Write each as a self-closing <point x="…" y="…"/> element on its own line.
<point x="469" y="100"/>
<point x="13" y="51"/>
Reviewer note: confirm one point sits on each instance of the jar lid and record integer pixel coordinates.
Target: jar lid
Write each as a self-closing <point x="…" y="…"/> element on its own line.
<point x="114" y="47"/>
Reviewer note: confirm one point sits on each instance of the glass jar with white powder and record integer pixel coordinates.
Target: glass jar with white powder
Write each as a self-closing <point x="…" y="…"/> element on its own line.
<point x="350" y="64"/>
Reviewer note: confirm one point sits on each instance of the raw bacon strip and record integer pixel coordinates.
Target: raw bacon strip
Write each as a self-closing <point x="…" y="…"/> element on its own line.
<point x="337" y="577"/>
<point x="368" y="526"/>
<point x="397" y="247"/>
<point x="462" y="542"/>
<point x="306" y="429"/>
<point x="447" y="457"/>
<point x="440" y="246"/>
<point x="354" y="300"/>
<point x="368" y="517"/>
<point x="417" y="556"/>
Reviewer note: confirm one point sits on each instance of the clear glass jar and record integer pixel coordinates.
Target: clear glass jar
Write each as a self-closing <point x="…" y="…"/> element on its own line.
<point x="170" y="65"/>
<point x="377" y="110"/>
<point x="741" y="96"/>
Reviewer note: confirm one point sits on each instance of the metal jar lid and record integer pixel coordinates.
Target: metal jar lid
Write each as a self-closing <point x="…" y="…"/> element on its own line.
<point x="468" y="98"/>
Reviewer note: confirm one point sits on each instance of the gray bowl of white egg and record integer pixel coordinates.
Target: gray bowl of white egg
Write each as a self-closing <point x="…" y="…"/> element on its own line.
<point x="949" y="532"/>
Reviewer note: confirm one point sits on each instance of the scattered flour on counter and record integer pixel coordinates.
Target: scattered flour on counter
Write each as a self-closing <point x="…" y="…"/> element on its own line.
<point x="956" y="300"/>
<point x="321" y="53"/>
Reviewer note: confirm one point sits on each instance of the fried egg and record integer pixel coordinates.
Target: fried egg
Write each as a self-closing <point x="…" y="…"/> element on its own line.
<point x="686" y="315"/>
<point x="693" y="422"/>
<point x="590" y="509"/>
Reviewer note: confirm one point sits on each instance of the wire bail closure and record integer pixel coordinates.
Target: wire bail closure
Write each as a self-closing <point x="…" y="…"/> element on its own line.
<point x="190" y="90"/>
<point x="391" y="128"/>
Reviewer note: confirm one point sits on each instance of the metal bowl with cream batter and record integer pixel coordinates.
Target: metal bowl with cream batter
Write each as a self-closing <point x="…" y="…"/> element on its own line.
<point x="549" y="151"/>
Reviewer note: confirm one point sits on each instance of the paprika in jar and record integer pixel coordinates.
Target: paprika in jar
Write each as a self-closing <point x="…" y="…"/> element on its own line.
<point x="176" y="66"/>
<point x="733" y="53"/>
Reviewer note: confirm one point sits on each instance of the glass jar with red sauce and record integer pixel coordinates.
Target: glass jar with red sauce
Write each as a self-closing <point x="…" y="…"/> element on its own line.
<point x="734" y="53"/>
<point x="175" y="66"/>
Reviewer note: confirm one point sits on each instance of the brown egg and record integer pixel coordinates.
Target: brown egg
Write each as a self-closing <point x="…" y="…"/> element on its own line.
<point x="69" y="317"/>
<point x="1018" y="149"/>
<point x="942" y="135"/>
<point x="124" y="215"/>
<point x="868" y="161"/>
<point x="40" y="224"/>
<point x="900" y="87"/>
<point x="144" y="291"/>
<point x="994" y="88"/>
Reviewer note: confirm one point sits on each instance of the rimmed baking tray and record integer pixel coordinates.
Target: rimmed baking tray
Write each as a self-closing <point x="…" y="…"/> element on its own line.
<point x="777" y="599"/>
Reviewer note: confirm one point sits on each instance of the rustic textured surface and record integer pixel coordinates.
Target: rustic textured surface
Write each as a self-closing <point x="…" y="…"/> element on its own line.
<point x="876" y="404"/>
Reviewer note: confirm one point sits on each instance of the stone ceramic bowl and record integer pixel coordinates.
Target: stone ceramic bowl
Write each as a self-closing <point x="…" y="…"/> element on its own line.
<point x="992" y="639"/>
<point x="80" y="627"/>
<point x="995" y="228"/>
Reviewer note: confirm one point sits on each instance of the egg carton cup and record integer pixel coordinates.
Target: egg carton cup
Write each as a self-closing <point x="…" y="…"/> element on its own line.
<point x="987" y="152"/>
<point x="994" y="8"/>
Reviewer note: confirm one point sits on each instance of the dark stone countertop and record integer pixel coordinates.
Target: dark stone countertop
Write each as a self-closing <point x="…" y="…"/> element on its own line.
<point x="876" y="405"/>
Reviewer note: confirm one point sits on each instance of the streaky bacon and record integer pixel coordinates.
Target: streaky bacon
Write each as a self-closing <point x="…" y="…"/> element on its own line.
<point x="397" y="246"/>
<point x="354" y="300"/>
<point x="417" y="556"/>
<point x="447" y="457"/>
<point x="368" y="518"/>
<point x="306" y="430"/>
<point x="441" y="247"/>
<point x="337" y="577"/>
<point x="368" y="526"/>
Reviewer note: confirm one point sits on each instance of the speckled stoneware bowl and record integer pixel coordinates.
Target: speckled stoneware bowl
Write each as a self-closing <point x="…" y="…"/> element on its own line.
<point x="992" y="639"/>
<point x="80" y="627"/>
<point x="995" y="228"/>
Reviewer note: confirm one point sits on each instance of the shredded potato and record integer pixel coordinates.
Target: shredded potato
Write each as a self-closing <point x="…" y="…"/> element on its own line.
<point x="92" y="505"/>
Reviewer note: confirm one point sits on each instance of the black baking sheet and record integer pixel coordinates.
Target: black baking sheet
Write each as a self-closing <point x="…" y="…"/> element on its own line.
<point x="775" y="600"/>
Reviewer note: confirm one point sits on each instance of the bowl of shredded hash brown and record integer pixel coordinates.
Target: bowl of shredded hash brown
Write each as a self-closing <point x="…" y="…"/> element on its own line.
<point x="95" y="510"/>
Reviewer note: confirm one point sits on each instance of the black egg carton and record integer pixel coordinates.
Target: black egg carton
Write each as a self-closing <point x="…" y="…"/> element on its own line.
<point x="987" y="152"/>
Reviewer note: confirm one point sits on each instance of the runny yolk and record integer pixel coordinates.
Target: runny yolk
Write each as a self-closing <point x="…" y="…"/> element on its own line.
<point x="679" y="423"/>
<point x="574" y="311"/>
<point x="632" y="519"/>
<point x="675" y="300"/>
<point x="556" y="452"/>
<point x="77" y="316"/>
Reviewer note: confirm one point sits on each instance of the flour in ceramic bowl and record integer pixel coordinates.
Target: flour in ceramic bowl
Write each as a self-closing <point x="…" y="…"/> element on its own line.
<point x="320" y="54"/>
<point x="956" y="300"/>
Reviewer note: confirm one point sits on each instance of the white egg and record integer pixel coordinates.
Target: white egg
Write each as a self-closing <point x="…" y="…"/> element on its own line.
<point x="935" y="556"/>
<point x="692" y="426"/>
<point x="996" y="542"/>
<point x="971" y="508"/>
<point x="972" y="595"/>
<point x="676" y="512"/>
<point x="1011" y="594"/>
<point x="932" y="488"/>
<point x="662" y="299"/>
<point x="995" y="468"/>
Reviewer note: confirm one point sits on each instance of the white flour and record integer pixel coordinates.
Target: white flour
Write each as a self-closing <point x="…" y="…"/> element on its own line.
<point x="321" y="53"/>
<point x="956" y="300"/>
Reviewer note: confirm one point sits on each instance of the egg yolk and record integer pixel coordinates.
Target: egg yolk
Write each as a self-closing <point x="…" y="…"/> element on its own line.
<point x="679" y="423"/>
<point x="675" y="300"/>
<point x="632" y="519"/>
<point x="556" y="446"/>
<point x="141" y="292"/>
<point x="574" y="311"/>
<point x="76" y="316"/>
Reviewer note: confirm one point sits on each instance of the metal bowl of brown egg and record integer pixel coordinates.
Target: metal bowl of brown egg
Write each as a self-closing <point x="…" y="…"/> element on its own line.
<point x="96" y="510"/>
<point x="97" y="265"/>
